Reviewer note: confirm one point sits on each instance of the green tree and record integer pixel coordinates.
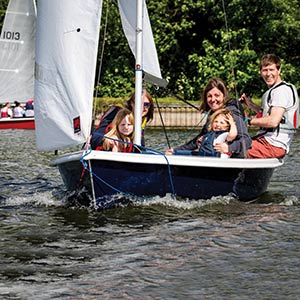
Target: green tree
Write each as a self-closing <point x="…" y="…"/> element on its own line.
<point x="199" y="39"/>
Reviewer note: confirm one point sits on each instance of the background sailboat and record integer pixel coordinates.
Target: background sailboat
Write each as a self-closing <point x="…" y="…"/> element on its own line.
<point x="17" y="55"/>
<point x="66" y="63"/>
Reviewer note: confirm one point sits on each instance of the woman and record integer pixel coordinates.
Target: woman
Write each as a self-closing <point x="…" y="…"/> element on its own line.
<point x="107" y="118"/>
<point x="215" y="96"/>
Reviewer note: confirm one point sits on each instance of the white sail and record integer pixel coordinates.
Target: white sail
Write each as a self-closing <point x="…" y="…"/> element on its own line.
<point x="137" y="28"/>
<point x="128" y="11"/>
<point x="66" y="55"/>
<point x="17" y="52"/>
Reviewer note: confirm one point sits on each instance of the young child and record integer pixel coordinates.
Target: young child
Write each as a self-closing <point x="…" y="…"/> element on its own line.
<point x="121" y="130"/>
<point x="222" y="129"/>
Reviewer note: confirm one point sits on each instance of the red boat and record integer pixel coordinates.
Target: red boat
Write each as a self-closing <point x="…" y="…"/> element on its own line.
<point x="17" y="60"/>
<point x="17" y="123"/>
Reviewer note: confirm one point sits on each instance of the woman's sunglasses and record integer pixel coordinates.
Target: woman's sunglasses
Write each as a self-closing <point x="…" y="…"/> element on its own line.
<point x="147" y="104"/>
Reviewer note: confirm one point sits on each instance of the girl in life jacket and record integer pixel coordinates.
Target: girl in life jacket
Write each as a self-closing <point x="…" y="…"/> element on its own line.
<point x="120" y="136"/>
<point x="6" y="111"/>
<point x="108" y="116"/>
<point x="222" y="128"/>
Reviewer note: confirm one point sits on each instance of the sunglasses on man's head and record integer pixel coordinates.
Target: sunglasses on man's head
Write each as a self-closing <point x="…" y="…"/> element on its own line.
<point x="146" y="104"/>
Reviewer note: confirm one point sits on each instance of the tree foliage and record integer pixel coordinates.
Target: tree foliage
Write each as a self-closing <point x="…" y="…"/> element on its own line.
<point x="197" y="40"/>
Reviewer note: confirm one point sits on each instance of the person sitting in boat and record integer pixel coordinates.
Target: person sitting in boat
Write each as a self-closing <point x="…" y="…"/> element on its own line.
<point x="29" y="108"/>
<point x="278" y="116"/>
<point x="215" y="96"/>
<point x="107" y="118"/>
<point x="120" y="137"/>
<point x="19" y="111"/>
<point x="6" y="111"/>
<point x="222" y="128"/>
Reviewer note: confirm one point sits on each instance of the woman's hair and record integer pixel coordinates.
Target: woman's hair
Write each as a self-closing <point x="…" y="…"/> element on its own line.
<point x="129" y="104"/>
<point x="221" y="111"/>
<point x="114" y="131"/>
<point x="213" y="83"/>
<point x="270" y="59"/>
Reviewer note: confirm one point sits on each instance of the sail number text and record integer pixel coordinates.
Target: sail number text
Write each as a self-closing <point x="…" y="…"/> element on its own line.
<point x="10" y="35"/>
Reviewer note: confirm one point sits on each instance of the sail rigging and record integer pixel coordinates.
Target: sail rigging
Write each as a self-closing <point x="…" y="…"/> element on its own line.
<point x="66" y="56"/>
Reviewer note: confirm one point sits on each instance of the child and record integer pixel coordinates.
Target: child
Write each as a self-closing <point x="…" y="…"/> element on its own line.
<point x="222" y="129"/>
<point x="121" y="130"/>
<point x="108" y="116"/>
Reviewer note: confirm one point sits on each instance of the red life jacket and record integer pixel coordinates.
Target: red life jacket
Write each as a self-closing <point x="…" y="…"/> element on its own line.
<point x="125" y="148"/>
<point x="4" y="113"/>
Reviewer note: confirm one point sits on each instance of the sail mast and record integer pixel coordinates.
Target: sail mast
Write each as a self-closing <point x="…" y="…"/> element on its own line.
<point x="137" y="29"/>
<point x="138" y="73"/>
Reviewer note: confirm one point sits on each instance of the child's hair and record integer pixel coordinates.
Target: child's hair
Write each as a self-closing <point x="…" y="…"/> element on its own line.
<point x="221" y="111"/>
<point x="114" y="131"/>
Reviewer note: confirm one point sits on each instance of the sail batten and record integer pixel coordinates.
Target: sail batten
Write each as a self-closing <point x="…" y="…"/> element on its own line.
<point x="20" y="13"/>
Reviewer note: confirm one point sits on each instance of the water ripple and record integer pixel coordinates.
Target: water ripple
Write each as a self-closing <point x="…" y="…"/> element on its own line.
<point x="160" y="249"/>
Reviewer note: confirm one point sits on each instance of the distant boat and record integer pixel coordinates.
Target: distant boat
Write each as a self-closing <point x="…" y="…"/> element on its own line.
<point x="17" y="59"/>
<point x="66" y="63"/>
<point x="17" y="123"/>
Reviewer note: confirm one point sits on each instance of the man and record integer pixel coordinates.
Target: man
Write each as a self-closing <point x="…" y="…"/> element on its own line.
<point x="278" y="115"/>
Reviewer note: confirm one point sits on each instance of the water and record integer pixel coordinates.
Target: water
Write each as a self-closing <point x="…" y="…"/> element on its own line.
<point x="164" y="249"/>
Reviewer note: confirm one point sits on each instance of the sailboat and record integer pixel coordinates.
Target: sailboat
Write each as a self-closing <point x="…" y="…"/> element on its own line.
<point x="66" y="57"/>
<point x="17" y="58"/>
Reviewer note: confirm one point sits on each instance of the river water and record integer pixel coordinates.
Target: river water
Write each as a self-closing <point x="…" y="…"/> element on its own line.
<point x="163" y="249"/>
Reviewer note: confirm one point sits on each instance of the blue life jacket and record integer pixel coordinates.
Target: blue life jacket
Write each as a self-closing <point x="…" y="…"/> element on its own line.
<point x="207" y="144"/>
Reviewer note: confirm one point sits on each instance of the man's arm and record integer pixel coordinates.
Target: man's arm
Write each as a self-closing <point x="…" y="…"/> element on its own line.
<point x="270" y="121"/>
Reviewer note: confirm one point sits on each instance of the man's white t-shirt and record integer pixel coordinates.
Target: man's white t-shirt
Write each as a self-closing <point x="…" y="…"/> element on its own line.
<point x="281" y="96"/>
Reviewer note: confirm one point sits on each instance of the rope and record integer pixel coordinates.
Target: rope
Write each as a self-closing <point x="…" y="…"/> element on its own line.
<point x="162" y="121"/>
<point x="85" y="166"/>
<point x="232" y="68"/>
<point x="101" y="57"/>
<point x="183" y="100"/>
<point x="186" y="135"/>
<point x="229" y="48"/>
